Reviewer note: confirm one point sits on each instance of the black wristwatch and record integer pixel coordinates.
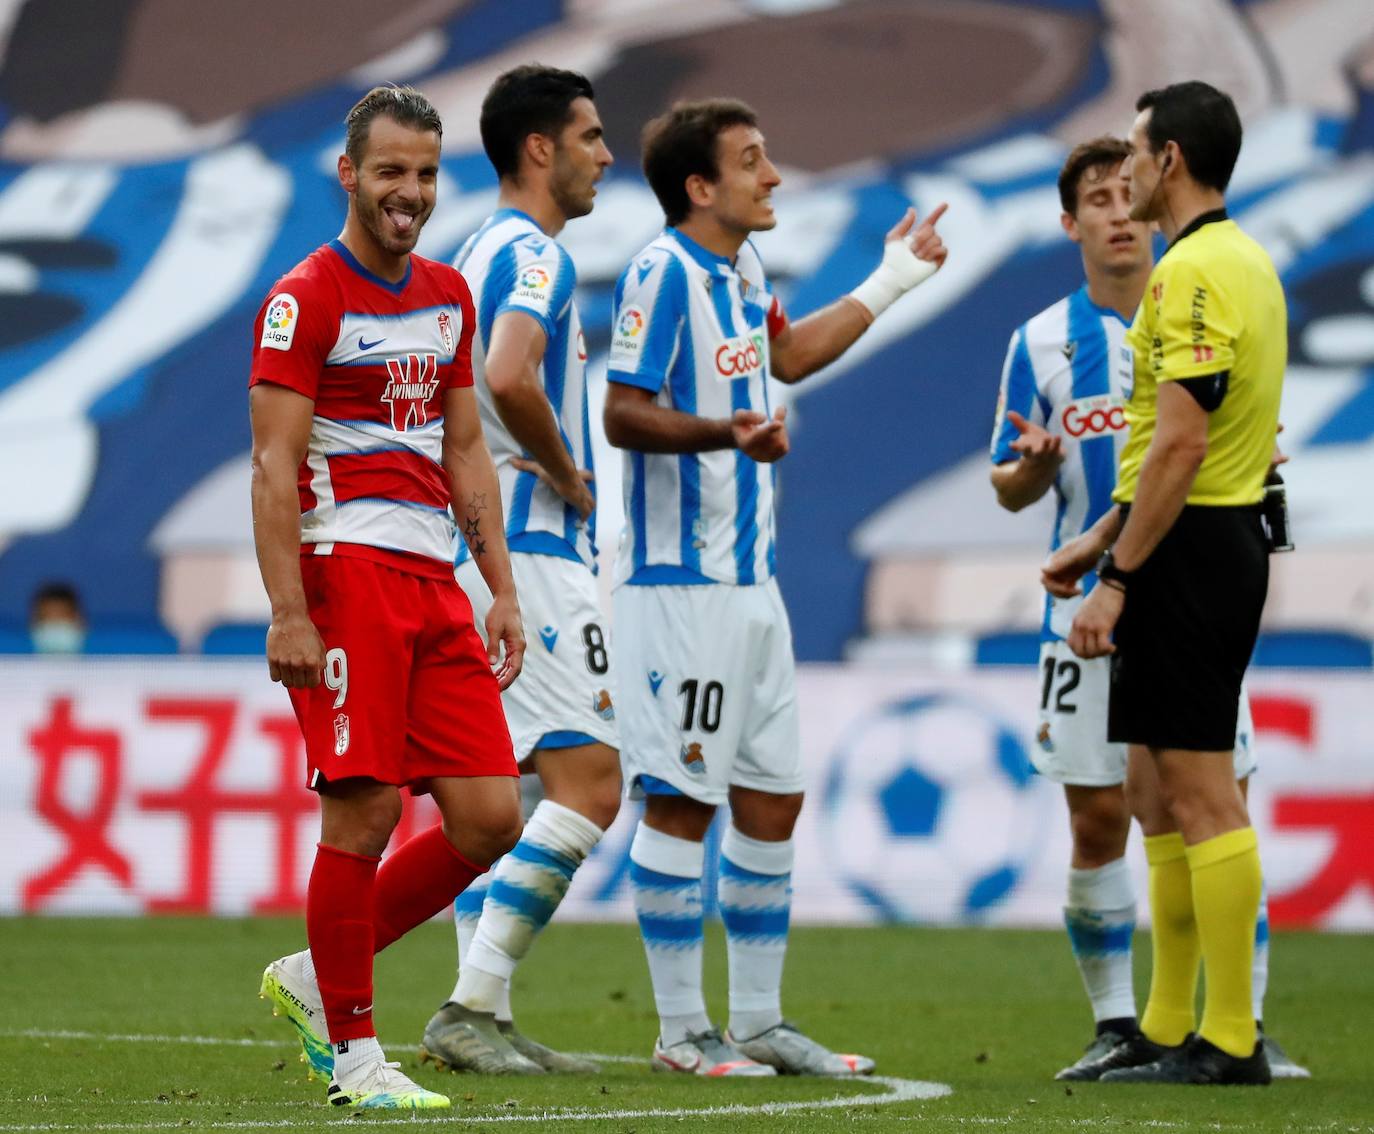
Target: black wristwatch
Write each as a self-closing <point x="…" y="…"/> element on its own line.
<point x="1108" y="571"/>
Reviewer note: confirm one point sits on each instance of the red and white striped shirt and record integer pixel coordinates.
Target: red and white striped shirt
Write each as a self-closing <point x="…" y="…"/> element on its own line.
<point x="376" y="358"/>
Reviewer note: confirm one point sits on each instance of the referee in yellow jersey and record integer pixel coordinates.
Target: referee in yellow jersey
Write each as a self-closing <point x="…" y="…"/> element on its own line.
<point x="1184" y="577"/>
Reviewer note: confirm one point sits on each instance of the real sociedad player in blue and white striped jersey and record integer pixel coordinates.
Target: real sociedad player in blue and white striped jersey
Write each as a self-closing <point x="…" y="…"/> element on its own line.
<point x="511" y="264"/>
<point x="1060" y="425"/>
<point x="541" y="131"/>
<point x="698" y="327"/>
<point x="707" y="697"/>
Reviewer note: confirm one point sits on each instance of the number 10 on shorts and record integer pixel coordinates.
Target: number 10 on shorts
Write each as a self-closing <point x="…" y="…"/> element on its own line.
<point x="701" y="704"/>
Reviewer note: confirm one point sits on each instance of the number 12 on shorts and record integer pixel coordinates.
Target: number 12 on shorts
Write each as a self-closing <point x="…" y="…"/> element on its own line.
<point x="1068" y="674"/>
<point x="701" y="704"/>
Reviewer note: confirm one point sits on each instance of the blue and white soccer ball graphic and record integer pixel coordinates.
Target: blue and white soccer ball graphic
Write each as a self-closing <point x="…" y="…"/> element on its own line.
<point x="930" y="810"/>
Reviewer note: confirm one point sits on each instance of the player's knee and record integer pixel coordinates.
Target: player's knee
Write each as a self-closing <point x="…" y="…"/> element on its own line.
<point x="602" y="803"/>
<point x="594" y="795"/>
<point x="678" y="816"/>
<point x="360" y="821"/>
<point x="1100" y="829"/>
<point x="493" y="834"/>
<point x="762" y="815"/>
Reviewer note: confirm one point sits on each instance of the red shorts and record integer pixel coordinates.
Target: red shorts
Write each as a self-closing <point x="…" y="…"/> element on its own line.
<point x="408" y="692"/>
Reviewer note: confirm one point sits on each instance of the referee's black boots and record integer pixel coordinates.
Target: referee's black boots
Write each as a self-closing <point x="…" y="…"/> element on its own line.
<point x="1198" y="1061"/>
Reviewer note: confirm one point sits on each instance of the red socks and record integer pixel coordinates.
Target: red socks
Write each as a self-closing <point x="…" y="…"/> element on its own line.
<point x="417" y="880"/>
<point x="338" y="925"/>
<point x="354" y="910"/>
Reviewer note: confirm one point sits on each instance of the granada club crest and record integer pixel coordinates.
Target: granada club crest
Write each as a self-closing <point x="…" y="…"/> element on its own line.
<point x="446" y="331"/>
<point x="341" y="737"/>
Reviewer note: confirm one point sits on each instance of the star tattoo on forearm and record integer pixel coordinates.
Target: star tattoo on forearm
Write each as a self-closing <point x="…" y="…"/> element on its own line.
<point x="472" y="524"/>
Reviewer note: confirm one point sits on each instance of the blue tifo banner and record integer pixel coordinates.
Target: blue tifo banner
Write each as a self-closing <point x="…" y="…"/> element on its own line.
<point x="178" y="785"/>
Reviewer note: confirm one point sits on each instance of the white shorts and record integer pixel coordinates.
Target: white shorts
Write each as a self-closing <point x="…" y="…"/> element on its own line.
<point x="1071" y="744"/>
<point x="708" y="690"/>
<point x="562" y="697"/>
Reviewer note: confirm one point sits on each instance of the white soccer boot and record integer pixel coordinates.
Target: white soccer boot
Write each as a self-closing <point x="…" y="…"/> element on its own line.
<point x="792" y="1053"/>
<point x="706" y="1053"/>
<point x="381" y="1086"/>
<point x="285" y="984"/>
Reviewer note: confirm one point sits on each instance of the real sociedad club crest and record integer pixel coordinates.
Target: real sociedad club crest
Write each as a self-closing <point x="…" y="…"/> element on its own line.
<point x="446" y="331"/>
<point x="692" y="759"/>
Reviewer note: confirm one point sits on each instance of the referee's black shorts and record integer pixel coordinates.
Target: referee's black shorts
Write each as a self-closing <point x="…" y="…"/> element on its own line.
<point x="1187" y="631"/>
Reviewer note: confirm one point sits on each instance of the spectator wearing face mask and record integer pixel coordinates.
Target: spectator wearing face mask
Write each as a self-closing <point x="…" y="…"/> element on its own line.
<point x="57" y="624"/>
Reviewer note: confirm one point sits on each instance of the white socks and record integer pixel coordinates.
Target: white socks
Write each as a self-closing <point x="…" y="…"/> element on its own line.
<point x="1100" y="917"/>
<point x="525" y="888"/>
<point x="665" y="875"/>
<point x="351" y="1055"/>
<point x="755" y="892"/>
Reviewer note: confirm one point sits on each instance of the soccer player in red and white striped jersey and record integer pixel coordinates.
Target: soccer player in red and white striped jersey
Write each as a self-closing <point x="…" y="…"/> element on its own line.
<point x="366" y="444"/>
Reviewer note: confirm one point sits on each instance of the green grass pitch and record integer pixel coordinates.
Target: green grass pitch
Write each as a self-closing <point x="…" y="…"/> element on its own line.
<point x="154" y="1024"/>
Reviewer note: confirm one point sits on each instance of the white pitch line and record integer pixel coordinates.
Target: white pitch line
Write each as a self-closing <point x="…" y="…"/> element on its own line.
<point x="894" y="1091"/>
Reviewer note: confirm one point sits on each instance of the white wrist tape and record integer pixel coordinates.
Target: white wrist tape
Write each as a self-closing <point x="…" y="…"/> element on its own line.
<point x="896" y="275"/>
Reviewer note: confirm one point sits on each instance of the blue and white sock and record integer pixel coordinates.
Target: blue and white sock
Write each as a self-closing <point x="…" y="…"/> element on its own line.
<point x="665" y="875"/>
<point x="467" y="912"/>
<point x="525" y="889"/>
<point x="1259" y="970"/>
<point x="1100" y="917"/>
<point x="755" y="892"/>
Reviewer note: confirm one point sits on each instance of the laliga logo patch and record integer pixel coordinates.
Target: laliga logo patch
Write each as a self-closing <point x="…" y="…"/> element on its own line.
<point x="631" y="323"/>
<point x="446" y="331"/>
<point x="279" y="324"/>
<point x="341" y="737"/>
<point x="693" y="760"/>
<point x="628" y="339"/>
<point x="533" y="281"/>
<point x="1094" y="417"/>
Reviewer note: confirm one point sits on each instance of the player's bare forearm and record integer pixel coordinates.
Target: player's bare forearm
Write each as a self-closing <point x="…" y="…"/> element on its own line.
<point x="281" y="428"/>
<point x="816" y="341"/>
<point x="1106" y="530"/>
<point x="517" y="350"/>
<point x="281" y="421"/>
<point x="634" y="420"/>
<point x="476" y="491"/>
<point x="1020" y="483"/>
<point x="277" y="536"/>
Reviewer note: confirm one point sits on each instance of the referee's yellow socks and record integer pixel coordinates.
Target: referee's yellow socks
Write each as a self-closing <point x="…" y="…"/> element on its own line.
<point x="1226" y="896"/>
<point x="1170" y="1012"/>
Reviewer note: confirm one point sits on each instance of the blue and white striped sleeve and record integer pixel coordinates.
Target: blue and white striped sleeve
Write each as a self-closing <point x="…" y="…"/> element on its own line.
<point x="1018" y="392"/>
<point x="541" y="282"/>
<point x="650" y="310"/>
